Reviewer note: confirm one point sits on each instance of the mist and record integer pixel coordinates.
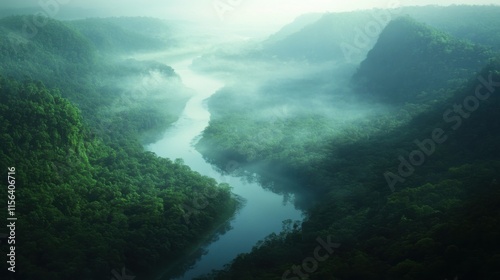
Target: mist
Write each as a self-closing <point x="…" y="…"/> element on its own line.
<point x="224" y="138"/>
<point x="256" y="18"/>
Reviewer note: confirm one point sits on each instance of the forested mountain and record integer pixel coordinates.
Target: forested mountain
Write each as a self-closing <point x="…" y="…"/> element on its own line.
<point x="25" y="51"/>
<point x="90" y="200"/>
<point x="381" y="125"/>
<point x="408" y="192"/>
<point x="412" y="62"/>
<point x="440" y="222"/>
<point x="100" y="85"/>
<point x="348" y="36"/>
<point x="478" y="24"/>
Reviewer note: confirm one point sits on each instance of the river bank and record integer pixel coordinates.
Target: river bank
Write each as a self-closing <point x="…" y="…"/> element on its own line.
<point x="263" y="211"/>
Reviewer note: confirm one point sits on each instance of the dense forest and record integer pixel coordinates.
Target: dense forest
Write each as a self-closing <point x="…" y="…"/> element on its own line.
<point x="381" y="125"/>
<point x="90" y="200"/>
<point x="407" y="192"/>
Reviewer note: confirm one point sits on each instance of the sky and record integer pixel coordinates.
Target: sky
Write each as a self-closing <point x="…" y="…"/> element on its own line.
<point x="222" y="12"/>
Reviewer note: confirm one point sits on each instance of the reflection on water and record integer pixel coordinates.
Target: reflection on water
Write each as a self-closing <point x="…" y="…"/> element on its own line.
<point x="263" y="211"/>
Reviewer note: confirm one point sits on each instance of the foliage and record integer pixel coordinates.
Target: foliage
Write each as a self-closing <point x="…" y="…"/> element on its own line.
<point x="100" y="85"/>
<point x="412" y="62"/>
<point x="89" y="199"/>
<point x="440" y="223"/>
<point x="477" y="24"/>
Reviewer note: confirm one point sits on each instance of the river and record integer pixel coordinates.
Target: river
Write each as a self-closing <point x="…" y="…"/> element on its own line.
<point x="263" y="211"/>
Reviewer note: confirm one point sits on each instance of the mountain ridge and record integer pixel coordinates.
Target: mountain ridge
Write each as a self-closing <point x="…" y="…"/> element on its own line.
<point x="411" y="60"/>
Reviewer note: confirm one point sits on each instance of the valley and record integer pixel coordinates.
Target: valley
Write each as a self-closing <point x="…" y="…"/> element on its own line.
<point x="169" y="149"/>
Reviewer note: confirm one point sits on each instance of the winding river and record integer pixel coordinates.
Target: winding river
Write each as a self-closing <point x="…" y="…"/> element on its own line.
<point x="263" y="211"/>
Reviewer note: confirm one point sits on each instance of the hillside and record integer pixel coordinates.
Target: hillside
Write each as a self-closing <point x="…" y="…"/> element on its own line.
<point x="55" y="46"/>
<point x="461" y="21"/>
<point x="339" y="36"/>
<point x="62" y="57"/>
<point x="297" y="25"/>
<point x="348" y="36"/>
<point x="89" y="199"/>
<point x="434" y="218"/>
<point x="407" y="193"/>
<point x="411" y="62"/>
<point x="377" y="130"/>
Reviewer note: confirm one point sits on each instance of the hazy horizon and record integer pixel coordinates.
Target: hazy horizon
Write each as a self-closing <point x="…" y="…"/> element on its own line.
<point x="224" y="14"/>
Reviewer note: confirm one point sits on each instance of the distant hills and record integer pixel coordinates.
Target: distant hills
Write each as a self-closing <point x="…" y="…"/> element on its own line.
<point x="337" y="36"/>
<point x="348" y="36"/>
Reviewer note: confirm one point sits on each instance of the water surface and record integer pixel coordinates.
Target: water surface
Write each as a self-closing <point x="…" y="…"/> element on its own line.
<point x="263" y="211"/>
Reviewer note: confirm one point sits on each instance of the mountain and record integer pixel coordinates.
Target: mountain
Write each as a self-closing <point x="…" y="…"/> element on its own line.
<point x="461" y="21"/>
<point x="24" y="43"/>
<point x="441" y="220"/>
<point x="348" y="36"/>
<point x="411" y="61"/>
<point x="338" y="36"/>
<point x="297" y="25"/>
<point x="409" y="193"/>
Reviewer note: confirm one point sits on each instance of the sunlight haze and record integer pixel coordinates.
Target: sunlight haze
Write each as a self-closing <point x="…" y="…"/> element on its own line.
<point x="236" y="13"/>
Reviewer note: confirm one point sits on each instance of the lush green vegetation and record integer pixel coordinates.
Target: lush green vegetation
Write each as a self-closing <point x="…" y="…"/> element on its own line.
<point x="438" y="221"/>
<point x="397" y="68"/>
<point x="400" y="161"/>
<point x="98" y="84"/>
<point x="471" y="25"/>
<point x="89" y="199"/>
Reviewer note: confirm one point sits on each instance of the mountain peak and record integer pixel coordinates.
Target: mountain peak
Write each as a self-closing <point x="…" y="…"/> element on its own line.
<point x="410" y="59"/>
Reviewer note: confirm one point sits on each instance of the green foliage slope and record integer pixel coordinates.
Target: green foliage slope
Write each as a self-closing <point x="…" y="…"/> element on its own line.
<point x="441" y="221"/>
<point x="89" y="199"/>
<point x="410" y="60"/>
<point x="62" y="57"/>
